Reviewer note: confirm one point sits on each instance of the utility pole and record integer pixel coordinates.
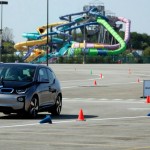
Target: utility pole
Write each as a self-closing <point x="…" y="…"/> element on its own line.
<point x="47" y="33"/>
<point x="1" y="30"/>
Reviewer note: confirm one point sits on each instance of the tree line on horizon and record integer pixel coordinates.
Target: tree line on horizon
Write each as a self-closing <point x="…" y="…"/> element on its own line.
<point x="139" y="41"/>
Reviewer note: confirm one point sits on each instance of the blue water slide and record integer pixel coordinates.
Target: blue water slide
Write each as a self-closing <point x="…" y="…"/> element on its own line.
<point x="31" y="36"/>
<point x="29" y="52"/>
<point x="61" y="52"/>
<point x="70" y="15"/>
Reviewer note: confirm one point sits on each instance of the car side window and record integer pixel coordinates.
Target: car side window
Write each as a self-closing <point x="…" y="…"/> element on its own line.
<point x="42" y="76"/>
<point x="1" y="69"/>
<point x="51" y="76"/>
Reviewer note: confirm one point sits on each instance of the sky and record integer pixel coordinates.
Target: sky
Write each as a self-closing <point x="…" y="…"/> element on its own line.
<point x="24" y="16"/>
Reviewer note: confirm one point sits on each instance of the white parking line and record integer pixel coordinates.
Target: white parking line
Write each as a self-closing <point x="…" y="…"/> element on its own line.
<point x="86" y="100"/>
<point x="69" y="87"/>
<point x="139" y="108"/>
<point x="19" y="125"/>
<point x="80" y="80"/>
<point x="101" y="85"/>
<point x="102" y="119"/>
<point x="119" y="118"/>
<point x="75" y="121"/>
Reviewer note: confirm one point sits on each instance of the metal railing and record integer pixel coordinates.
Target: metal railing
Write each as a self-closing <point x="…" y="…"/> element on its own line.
<point x="102" y="59"/>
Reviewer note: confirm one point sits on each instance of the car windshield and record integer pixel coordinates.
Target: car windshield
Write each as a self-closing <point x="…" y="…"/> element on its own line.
<point x="17" y="73"/>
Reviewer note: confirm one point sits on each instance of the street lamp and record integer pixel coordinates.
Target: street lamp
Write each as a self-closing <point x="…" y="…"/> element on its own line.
<point x="47" y="32"/>
<point x="84" y="43"/>
<point x="1" y="30"/>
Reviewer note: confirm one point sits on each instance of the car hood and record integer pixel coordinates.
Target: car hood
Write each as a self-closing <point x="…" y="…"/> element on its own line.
<point x="15" y="84"/>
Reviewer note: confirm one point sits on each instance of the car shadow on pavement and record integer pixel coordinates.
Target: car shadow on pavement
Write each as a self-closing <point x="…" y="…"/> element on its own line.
<point x="70" y="116"/>
<point x="41" y="116"/>
<point x="19" y="117"/>
<point x="93" y="86"/>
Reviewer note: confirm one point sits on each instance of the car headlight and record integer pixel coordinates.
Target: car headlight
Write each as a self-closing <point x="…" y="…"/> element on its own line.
<point x="21" y="91"/>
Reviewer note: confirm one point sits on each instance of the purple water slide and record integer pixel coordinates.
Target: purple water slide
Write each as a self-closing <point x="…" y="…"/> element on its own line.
<point x="127" y="33"/>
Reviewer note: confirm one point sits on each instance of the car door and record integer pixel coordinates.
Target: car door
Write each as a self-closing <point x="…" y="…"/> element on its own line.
<point x="52" y="86"/>
<point x="43" y="87"/>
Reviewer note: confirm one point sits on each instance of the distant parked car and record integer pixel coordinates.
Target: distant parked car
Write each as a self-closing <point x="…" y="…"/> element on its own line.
<point x="28" y="89"/>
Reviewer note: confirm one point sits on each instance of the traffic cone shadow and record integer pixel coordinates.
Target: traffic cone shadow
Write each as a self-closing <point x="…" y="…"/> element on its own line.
<point x="47" y="119"/>
<point x="81" y="116"/>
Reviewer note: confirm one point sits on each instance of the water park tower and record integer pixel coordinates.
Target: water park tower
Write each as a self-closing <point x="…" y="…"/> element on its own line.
<point x="103" y="36"/>
<point x="100" y="6"/>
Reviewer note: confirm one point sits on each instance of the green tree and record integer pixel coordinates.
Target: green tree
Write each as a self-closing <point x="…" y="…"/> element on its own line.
<point x="8" y="35"/>
<point x="140" y="41"/>
<point x="7" y="41"/>
<point x="7" y="48"/>
<point x="146" y="51"/>
<point x="136" y="40"/>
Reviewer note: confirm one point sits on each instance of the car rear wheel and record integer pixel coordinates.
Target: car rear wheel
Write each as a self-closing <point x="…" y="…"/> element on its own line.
<point x="34" y="107"/>
<point x="56" y="110"/>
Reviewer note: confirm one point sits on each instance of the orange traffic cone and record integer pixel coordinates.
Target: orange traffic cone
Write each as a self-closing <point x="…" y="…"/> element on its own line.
<point x="100" y="75"/>
<point x="148" y="99"/>
<point x="138" y="80"/>
<point x="129" y="71"/>
<point x="95" y="83"/>
<point x="81" y="116"/>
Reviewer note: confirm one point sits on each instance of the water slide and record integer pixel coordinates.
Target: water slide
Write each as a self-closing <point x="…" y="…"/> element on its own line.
<point x="100" y="49"/>
<point x="103" y="49"/>
<point x="61" y="52"/>
<point x="60" y="30"/>
<point x="34" y="40"/>
<point x="104" y="46"/>
<point x="90" y="17"/>
<point x="35" y="52"/>
<point x="34" y="37"/>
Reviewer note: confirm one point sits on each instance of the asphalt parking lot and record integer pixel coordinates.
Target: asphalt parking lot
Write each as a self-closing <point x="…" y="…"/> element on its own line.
<point x="115" y="112"/>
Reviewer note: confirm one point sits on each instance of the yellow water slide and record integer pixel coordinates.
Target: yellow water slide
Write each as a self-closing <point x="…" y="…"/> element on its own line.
<point x="23" y="46"/>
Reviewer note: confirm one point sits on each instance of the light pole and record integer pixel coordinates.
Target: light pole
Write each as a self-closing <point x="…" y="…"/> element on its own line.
<point x="84" y="43"/>
<point x="1" y="30"/>
<point x="47" y="32"/>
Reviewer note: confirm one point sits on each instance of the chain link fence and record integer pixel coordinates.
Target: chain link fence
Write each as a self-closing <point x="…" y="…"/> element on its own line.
<point x="102" y="59"/>
<point x="86" y="59"/>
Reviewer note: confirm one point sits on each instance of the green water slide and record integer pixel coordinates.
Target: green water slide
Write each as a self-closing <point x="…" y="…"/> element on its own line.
<point x="103" y="50"/>
<point x="115" y="35"/>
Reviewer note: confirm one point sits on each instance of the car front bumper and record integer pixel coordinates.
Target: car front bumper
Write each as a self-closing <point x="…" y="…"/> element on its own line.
<point x="11" y="103"/>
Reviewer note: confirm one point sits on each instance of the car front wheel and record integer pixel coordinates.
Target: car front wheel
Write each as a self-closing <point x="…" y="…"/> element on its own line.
<point x="34" y="107"/>
<point x="56" y="110"/>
